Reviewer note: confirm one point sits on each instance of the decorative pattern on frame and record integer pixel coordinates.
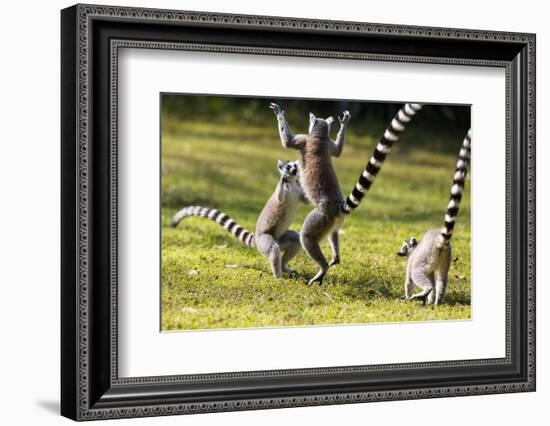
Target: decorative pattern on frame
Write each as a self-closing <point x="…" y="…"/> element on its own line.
<point x="85" y="14"/>
<point x="118" y="44"/>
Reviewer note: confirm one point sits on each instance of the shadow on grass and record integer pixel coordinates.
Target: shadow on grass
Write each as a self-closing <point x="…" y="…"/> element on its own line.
<point x="456" y="298"/>
<point x="367" y="287"/>
<point x="370" y="288"/>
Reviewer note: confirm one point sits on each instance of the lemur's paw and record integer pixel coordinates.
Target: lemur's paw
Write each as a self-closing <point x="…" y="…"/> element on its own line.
<point x="315" y="280"/>
<point x="422" y="297"/>
<point x="335" y="261"/>
<point x="318" y="278"/>
<point x="416" y="297"/>
<point x="276" y="108"/>
<point x="345" y="117"/>
<point x="289" y="271"/>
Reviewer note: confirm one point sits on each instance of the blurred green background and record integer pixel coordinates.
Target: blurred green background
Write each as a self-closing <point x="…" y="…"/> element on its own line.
<point x="221" y="152"/>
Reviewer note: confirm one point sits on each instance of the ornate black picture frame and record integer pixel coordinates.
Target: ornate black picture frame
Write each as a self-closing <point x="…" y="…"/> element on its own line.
<point x="91" y="36"/>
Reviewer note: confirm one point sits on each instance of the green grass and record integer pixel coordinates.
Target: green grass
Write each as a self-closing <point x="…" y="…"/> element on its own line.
<point x="210" y="280"/>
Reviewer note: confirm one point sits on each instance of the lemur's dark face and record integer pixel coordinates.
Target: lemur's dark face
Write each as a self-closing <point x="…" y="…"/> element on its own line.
<point x="318" y="125"/>
<point x="288" y="170"/>
<point x="407" y="247"/>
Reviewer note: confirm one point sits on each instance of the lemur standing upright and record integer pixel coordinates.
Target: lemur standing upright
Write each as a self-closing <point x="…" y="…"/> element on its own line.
<point x="430" y="259"/>
<point x="320" y="183"/>
<point x="273" y="235"/>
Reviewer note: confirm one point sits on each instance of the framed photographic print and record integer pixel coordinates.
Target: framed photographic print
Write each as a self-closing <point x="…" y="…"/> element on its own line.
<point x="263" y="212"/>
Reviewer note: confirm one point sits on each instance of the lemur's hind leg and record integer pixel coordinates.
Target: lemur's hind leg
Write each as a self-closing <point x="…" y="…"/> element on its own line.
<point x="315" y="227"/>
<point x="290" y="244"/>
<point x="430" y="297"/>
<point x="422" y="280"/>
<point x="335" y="247"/>
<point x="409" y="284"/>
<point x="269" y="247"/>
<point x="333" y="240"/>
<point x="441" y="279"/>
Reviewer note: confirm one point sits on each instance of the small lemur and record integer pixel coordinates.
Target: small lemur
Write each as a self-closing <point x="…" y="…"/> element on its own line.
<point x="273" y="238"/>
<point x="430" y="259"/>
<point x="320" y="183"/>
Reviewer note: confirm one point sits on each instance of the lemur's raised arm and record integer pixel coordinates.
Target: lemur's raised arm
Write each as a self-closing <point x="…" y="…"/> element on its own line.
<point x="338" y="145"/>
<point x="287" y="138"/>
<point x="320" y="185"/>
<point x="320" y="182"/>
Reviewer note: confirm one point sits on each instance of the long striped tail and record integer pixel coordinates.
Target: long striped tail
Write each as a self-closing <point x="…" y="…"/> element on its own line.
<point x="382" y="150"/>
<point x="245" y="236"/>
<point x="456" y="190"/>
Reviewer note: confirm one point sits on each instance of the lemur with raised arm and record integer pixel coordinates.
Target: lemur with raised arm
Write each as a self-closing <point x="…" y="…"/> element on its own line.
<point x="272" y="238"/>
<point x="430" y="259"/>
<point x="320" y="183"/>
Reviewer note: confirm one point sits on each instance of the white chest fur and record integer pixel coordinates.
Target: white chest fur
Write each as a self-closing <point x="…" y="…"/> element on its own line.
<point x="289" y="205"/>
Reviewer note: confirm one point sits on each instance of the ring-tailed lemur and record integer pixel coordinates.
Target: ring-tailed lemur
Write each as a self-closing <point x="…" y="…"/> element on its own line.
<point x="321" y="184"/>
<point x="273" y="235"/>
<point x="430" y="259"/>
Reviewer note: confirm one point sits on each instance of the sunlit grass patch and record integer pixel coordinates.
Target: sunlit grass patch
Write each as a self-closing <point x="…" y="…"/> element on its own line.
<point x="211" y="280"/>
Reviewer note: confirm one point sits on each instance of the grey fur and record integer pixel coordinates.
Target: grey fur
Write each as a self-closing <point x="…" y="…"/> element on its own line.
<point x="320" y="184"/>
<point x="427" y="267"/>
<point x="273" y="238"/>
<point x="429" y="261"/>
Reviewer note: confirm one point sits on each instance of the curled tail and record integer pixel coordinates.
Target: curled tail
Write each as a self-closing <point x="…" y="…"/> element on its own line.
<point x="220" y="218"/>
<point x="456" y="190"/>
<point x="391" y="135"/>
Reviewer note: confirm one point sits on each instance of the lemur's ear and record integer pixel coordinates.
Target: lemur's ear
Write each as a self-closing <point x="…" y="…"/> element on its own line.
<point x="280" y="164"/>
<point x="414" y="242"/>
<point x="329" y="120"/>
<point x="311" y="116"/>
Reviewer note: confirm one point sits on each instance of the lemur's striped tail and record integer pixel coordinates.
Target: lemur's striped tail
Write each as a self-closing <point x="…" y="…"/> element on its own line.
<point x="220" y="218"/>
<point x="391" y="135"/>
<point x="456" y="190"/>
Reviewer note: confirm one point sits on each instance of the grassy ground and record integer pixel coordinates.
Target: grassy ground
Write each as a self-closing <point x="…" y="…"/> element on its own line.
<point x="211" y="280"/>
